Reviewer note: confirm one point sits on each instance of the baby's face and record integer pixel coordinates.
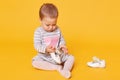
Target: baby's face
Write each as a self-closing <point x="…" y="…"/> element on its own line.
<point x="49" y="24"/>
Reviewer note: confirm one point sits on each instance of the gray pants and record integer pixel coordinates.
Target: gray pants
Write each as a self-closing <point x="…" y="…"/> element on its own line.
<point x="48" y="58"/>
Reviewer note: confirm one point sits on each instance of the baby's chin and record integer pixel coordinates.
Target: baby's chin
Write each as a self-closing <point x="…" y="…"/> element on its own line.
<point x="49" y="30"/>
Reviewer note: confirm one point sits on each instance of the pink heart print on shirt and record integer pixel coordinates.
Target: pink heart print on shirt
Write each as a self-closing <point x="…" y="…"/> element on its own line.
<point x="52" y="41"/>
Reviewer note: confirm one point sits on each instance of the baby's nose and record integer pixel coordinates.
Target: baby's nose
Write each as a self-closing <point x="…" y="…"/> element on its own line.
<point x="50" y="27"/>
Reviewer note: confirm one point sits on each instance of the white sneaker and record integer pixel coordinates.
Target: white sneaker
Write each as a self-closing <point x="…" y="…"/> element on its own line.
<point x="56" y="58"/>
<point x="58" y="51"/>
<point x="96" y="63"/>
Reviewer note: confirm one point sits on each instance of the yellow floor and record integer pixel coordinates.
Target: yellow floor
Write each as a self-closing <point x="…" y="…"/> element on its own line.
<point x="90" y="28"/>
<point x="15" y="64"/>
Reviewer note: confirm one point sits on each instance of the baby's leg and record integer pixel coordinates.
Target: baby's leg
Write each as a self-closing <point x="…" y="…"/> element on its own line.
<point x="68" y="64"/>
<point x="44" y="65"/>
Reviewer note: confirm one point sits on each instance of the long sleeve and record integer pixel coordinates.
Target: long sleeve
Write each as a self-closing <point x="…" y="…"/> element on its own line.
<point x="38" y="41"/>
<point x="62" y="41"/>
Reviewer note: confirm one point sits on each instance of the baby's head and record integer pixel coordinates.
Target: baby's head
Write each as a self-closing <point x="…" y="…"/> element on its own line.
<point x="48" y="14"/>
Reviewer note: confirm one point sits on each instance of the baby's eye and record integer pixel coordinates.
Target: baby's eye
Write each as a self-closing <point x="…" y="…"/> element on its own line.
<point x="54" y="25"/>
<point x="47" y="25"/>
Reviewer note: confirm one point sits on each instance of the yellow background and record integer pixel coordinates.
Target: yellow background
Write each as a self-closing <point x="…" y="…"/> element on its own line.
<point x="90" y="28"/>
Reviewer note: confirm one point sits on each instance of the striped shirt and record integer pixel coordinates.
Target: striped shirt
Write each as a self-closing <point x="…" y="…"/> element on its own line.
<point x="43" y="38"/>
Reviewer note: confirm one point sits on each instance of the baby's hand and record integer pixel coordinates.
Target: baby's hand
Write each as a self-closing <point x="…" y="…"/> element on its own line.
<point x="64" y="49"/>
<point x="50" y="49"/>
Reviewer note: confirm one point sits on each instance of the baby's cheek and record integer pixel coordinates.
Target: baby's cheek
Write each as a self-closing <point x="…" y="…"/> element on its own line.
<point x="54" y="27"/>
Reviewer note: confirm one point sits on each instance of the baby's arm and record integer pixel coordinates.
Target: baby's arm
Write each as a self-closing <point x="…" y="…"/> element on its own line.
<point x="38" y="41"/>
<point x="62" y="41"/>
<point x="62" y="44"/>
